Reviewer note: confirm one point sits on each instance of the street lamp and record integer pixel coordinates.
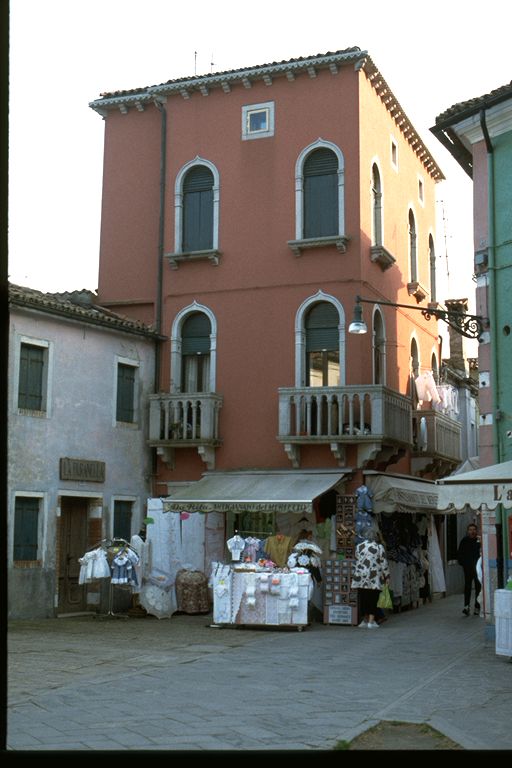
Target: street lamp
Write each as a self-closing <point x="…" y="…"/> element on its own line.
<point x="471" y="326"/>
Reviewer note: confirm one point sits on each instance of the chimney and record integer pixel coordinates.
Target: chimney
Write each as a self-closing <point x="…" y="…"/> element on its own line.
<point x="457" y="357"/>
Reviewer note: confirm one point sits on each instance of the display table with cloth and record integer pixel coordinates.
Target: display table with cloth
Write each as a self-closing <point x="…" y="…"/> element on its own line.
<point x="265" y="598"/>
<point x="503" y="619"/>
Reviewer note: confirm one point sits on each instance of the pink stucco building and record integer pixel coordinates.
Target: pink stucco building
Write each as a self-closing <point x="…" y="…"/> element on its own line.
<point x="243" y="212"/>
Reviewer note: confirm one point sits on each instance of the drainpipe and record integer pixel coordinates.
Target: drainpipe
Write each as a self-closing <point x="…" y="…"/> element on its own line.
<point x="159" y="287"/>
<point x="161" y="223"/>
<point x="491" y="301"/>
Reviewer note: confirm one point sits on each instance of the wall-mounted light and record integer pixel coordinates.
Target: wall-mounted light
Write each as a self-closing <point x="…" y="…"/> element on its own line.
<point x="471" y="326"/>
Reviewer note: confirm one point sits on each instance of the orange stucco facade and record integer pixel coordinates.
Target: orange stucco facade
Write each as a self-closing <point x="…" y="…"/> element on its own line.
<point x="255" y="290"/>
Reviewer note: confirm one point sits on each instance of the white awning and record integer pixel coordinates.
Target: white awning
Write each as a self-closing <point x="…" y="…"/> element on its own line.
<point x="489" y="485"/>
<point x="256" y="491"/>
<point x="396" y="493"/>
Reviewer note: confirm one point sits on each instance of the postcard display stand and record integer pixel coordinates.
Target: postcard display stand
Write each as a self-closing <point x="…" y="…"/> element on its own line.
<point x="340" y="602"/>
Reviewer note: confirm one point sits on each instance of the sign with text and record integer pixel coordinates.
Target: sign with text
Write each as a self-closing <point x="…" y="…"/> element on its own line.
<point x="83" y="470"/>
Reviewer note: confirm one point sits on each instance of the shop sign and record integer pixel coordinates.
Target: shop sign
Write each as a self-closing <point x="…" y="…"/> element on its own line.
<point x="83" y="470"/>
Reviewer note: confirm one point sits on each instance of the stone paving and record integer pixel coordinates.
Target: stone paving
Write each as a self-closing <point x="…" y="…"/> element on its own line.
<point x="179" y="684"/>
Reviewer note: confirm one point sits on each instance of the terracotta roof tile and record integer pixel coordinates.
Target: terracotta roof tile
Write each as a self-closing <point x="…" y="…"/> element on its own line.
<point x="469" y="107"/>
<point x="76" y="305"/>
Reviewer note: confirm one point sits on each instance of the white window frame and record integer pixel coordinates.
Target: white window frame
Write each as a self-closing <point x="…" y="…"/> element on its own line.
<point x="248" y="110"/>
<point x="135" y="424"/>
<point x="299" y="186"/>
<point x="42" y="526"/>
<point x="300" y="337"/>
<point x="178" y="202"/>
<point x="413" y="262"/>
<point x="376" y="240"/>
<point x="176" y="345"/>
<point x="47" y="378"/>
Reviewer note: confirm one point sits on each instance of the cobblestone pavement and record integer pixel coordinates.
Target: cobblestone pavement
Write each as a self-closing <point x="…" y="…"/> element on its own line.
<point x="87" y="683"/>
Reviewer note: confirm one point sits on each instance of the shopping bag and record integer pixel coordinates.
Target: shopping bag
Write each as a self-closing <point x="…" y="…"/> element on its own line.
<point x="385" y="600"/>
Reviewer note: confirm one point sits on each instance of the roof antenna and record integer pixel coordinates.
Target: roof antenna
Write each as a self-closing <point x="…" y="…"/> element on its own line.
<point x="195" y="63"/>
<point x="211" y="64"/>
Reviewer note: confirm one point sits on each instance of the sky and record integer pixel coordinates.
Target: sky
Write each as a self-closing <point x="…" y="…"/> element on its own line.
<point x="65" y="53"/>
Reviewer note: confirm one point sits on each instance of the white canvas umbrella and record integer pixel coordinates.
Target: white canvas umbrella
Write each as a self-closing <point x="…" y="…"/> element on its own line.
<point x="490" y="486"/>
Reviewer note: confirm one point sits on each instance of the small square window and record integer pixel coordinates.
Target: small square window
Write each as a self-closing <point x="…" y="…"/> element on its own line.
<point x="394" y="153"/>
<point x="420" y="190"/>
<point x="258" y="120"/>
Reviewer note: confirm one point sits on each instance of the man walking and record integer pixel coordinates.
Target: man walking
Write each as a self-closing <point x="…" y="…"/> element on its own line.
<point x="467" y="556"/>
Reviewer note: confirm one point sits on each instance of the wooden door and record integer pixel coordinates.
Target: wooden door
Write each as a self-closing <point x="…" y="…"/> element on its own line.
<point x="73" y="544"/>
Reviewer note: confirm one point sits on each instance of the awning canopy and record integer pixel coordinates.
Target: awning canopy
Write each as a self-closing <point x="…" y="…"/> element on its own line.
<point x="489" y="485"/>
<point x="396" y="493"/>
<point x="256" y="491"/>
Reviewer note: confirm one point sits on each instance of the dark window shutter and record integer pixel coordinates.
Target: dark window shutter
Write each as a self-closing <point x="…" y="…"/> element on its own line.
<point x="198" y="209"/>
<point x="321" y="194"/>
<point x="195" y="334"/>
<point x="123" y="520"/>
<point x="322" y="328"/>
<point x="30" y="386"/>
<point x="26" y="515"/>
<point x="125" y="393"/>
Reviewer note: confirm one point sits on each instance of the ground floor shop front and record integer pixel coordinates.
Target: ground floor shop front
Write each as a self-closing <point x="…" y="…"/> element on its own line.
<point x="192" y="531"/>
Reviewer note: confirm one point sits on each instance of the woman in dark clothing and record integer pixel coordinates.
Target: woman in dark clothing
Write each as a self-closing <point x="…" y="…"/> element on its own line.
<point x="467" y="556"/>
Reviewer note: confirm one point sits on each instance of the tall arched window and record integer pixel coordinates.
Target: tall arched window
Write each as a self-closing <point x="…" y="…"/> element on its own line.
<point x="321" y="194"/>
<point x="198" y="209"/>
<point x="435" y="370"/>
<point x="322" y="346"/>
<point x="432" y="255"/>
<point x="376" y="207"/>
<point x="195" y="352"/>
<point x="415" y="372"/>
<point x="379" y="349"/>
<point x="413" y="260"/>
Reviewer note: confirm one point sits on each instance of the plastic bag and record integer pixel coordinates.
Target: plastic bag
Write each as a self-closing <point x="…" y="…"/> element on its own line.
<point x="385" y="600"/>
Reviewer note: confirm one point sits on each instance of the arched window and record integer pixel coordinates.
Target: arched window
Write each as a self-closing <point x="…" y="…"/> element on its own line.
<point x="379" y="349"/>
<point x="415" y="372"/>
<point x="198" y="209"/>
<point x="413" y="260"/>
<point x="322" y="346"/>
<point x="195" y="352"/>
<point x="435" y="369"/>
<point x="321" y="194"/>
<point x="432" y="254"/>
<point x="376" y="207"/>
<point x="193" y="336"/>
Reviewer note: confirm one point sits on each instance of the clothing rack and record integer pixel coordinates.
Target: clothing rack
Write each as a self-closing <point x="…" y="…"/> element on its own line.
<point x="113" y="547"/>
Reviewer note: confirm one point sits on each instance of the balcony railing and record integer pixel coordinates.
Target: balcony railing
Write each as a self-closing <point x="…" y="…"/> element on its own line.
<point x="185" y="420"/>
<point x="351" y="414"/>
<point x="436" y="435"/>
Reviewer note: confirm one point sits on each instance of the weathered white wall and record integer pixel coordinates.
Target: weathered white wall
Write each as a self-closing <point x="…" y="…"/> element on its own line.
<point x="79" y="423"/>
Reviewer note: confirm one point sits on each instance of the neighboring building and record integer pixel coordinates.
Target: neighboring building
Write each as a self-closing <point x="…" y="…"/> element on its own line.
<point x="243" y="212"/>
<point x="478" y="133"/>
<point x="79" y="469"/>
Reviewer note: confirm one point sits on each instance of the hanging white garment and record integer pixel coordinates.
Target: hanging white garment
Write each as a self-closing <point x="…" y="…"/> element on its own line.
<point x="437" y="580"/>
<point x="214" y="538"/>
<point x="236" y="546"/>
<point x="426" y="388"/>
<point x="192" y="540"/>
